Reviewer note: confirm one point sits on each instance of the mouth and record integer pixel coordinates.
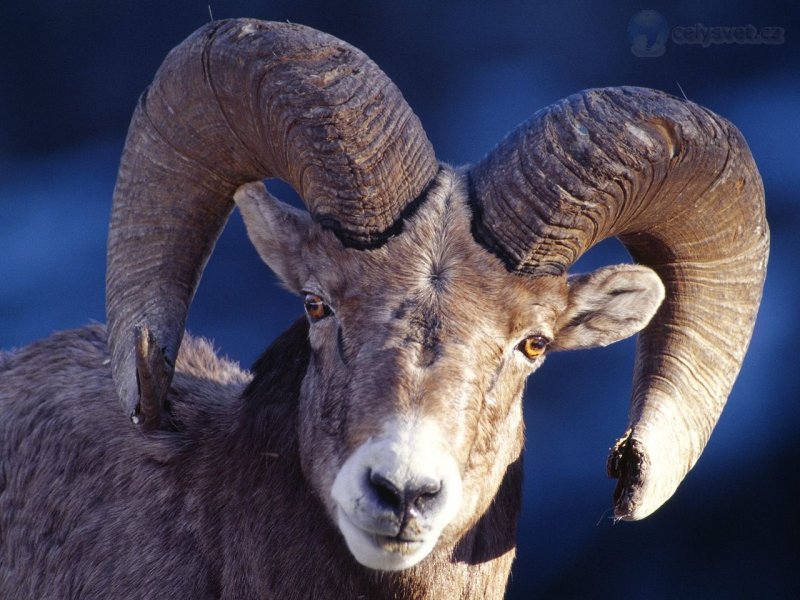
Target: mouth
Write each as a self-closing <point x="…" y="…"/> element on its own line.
<point x="383" y="552"/>
<point x="397" y="544"/>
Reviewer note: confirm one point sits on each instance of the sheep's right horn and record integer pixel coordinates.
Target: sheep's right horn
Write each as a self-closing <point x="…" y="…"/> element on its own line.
<point x="239" y="101"/>
<point x="678" y="185"/>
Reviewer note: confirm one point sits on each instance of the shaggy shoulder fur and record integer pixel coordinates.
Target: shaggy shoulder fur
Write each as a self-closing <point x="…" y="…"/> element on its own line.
<point x="215" y="507"/>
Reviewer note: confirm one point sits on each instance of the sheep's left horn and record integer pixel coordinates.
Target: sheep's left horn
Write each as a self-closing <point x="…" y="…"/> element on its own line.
<point x="678" y="186"/>
<point x="239" y="101"/>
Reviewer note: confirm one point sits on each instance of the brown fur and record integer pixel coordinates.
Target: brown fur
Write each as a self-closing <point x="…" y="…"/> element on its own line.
<point x="233" y="499"/>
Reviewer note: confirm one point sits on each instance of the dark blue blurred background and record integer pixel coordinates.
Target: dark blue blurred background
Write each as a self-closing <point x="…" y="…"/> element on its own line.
<point x="70" y="74"/>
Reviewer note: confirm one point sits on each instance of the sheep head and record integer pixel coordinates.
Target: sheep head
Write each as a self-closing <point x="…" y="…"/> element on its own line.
<point x="420" y="351"/>
<point x="434" y="292"/>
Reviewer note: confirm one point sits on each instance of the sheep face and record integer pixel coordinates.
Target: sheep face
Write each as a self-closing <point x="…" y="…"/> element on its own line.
<point x="420" y="351"/>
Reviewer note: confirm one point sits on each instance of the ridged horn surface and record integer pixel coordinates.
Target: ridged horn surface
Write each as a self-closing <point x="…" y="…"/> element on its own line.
<point x="678" y="186"/>
<point x="238" y="101"/>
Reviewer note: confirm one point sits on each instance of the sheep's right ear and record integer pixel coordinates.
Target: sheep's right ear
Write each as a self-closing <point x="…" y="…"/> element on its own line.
<point x="278" y="231"/>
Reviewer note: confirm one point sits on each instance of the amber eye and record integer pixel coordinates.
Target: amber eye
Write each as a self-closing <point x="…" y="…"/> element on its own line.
<point x="316" y="308"/>
<point x="533" y="346"/>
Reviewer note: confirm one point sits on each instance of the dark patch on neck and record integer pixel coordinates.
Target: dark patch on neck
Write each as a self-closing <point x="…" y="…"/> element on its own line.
<point x="496" y="531"/>
<point x="279" y="371"/>
<point x="369" y="240"/>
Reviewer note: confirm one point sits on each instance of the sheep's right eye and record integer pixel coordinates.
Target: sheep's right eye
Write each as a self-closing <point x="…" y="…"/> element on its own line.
<point x="316" y="308"/>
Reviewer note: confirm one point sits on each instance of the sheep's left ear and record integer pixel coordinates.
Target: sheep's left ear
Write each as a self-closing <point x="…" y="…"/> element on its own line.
<point x="608" y="305"/>
<point x="278" y="231"/>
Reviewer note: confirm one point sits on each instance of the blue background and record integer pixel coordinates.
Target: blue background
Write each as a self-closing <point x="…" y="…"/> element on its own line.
<point x="70" y="74"/>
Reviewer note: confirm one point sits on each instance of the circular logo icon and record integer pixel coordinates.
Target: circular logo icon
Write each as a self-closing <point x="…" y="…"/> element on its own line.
<point x="648" y="33"/>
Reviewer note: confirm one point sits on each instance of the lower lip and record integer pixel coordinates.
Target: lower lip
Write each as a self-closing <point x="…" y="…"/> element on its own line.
<point x="395" y="546"/>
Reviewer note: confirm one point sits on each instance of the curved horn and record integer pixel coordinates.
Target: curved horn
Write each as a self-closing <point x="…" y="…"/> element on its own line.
<point x="678" y="186"/>
<point x="239" y="101"/>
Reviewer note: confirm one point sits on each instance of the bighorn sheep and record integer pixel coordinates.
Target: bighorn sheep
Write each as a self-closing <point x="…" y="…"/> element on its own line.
<point x="388" y="421"/>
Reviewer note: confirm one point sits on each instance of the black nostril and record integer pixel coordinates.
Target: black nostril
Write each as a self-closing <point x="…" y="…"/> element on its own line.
<point x="386" y="492"/>
<point x="424" y="494"/>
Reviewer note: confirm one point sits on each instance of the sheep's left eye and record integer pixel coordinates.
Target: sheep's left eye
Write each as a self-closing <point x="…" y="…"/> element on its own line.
<point x="533" y="346"/>
<point x="316" y="308"/>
